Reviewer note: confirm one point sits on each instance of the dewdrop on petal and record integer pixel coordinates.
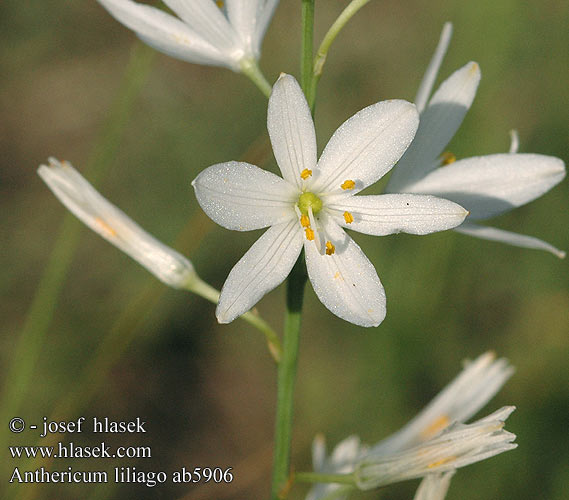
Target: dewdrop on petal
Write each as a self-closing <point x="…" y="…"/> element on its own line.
<point x="115" y="226"/>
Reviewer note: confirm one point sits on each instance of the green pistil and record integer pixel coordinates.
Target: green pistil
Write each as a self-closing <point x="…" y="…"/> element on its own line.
<point x="309" y="200"/>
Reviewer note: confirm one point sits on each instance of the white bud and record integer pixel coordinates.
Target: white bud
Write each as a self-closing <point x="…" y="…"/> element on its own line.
<point x="115" y="226"/>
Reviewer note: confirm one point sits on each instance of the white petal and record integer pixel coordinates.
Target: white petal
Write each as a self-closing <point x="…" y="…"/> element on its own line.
<point x="264" y="20"/>
<point x="460" y="400"/>
<point x="393" y="213"/>
<point x="433" y="69"/>
<point x="366" y="146"/>
<point x="242" y="197"/>
<point x="267" y="263"/>
<point x="250" y="19"/>
<point x="166" y="33"/>
<point x="457" y="446"/>
<point x="493" y="184"/>
<point x="114" y="225"/>
<point x="243" y="15"/>
<point x="208" y="21"/>
<point x="434" y="486"/>
<point x="319" y="452"/>
<point x="439" y="123"/>
<point x="515" y="239"/>
<point x="346" y="282"/>
<point x="291" y="129"/>
<point x="514" y="141"/>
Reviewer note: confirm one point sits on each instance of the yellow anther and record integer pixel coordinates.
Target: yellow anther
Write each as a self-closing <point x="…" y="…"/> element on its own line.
<point x="348" y="184"/>
<point x="437" y="425"/>
<point x="309" y="234"/>
<point x="348" y="217"/>
<point x="447" y="158"/>
<point x="305" y="174"/>
<point x="330" y="249"/>
<point x="105" y="227"/>
<point x="220" y="3"/>
<point x="305" y="221"/>
<point x="440" y="462"/>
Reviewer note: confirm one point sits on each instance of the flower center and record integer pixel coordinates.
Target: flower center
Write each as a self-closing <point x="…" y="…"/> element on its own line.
<point x="309" y="200"/>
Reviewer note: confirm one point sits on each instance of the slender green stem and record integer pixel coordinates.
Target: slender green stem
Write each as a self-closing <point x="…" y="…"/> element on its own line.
<point x="287" y="376"/>
<point x="307" y="48"/>
<point x="251" y="70"/>
<point x="30" y="341"/>
<point x="315" y="477"/>
<point x="203" y="289"/>
<point x="330" y="36"/>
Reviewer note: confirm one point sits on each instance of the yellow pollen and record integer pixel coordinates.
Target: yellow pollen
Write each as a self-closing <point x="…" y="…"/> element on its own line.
<point x="440" y="462"/>
<point x="330" y="249"/>
<point x="348" y="217"/>
<point x="305" y="174"/>
<point x="309" y="234"/>
<point x="447" y="158"/>
<point x="305" y="221"/>
<point x="220" y="3"/>
<point x="105" y="227"/>
<point x="435" y="426"/>
<point x="348" y="184"/>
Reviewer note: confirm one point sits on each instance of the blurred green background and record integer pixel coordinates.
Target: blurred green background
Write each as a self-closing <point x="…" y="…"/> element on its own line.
<point x="207" y="391"/>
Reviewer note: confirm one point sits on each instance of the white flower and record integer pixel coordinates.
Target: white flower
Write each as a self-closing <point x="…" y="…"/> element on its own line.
<point x="112" y="224"/>
<point x="486" y="185"/>
<point x="224" y="33"/>
<point x="314" y="201"/>
<point x="457" y="446"/>
<point x="460" y="400"/>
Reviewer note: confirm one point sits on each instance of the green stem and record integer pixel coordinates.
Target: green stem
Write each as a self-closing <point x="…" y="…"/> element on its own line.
<point x="315" y="477"/>
<point x="31" y="339"/>
<point x="307" y="49"/>
<point x="251" y="70"/>
<point x="287" y="376"/>
<point x="330" y="36"/>
<point x="203" y="289"/>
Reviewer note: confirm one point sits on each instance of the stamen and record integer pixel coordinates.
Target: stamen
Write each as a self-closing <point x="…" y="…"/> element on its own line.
<point x="348" y="184"/>
<point x="348" y="217"/>
<point x="305" y="174"/>
<point x="447" y="158"/>
<point x="441" y="462"/>
<point x="314" y="227"/>
<point x="309" y="234"/>
<point x="220" y="3"/>
<point x="305" y="221"/>
<point x="330" y="249"/>
<point x="437" y="425"/>
<point x="105" y="227"/>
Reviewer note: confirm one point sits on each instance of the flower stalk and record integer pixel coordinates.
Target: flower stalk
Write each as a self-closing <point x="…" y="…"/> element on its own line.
<point x="206" y="291"/>
<point x="294" y="296"/>
<point x="322" y="52"/>
<point x="251" y="70"/>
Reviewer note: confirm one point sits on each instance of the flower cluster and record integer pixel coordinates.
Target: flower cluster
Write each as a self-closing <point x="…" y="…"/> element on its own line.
<point x="433" y="444"/>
